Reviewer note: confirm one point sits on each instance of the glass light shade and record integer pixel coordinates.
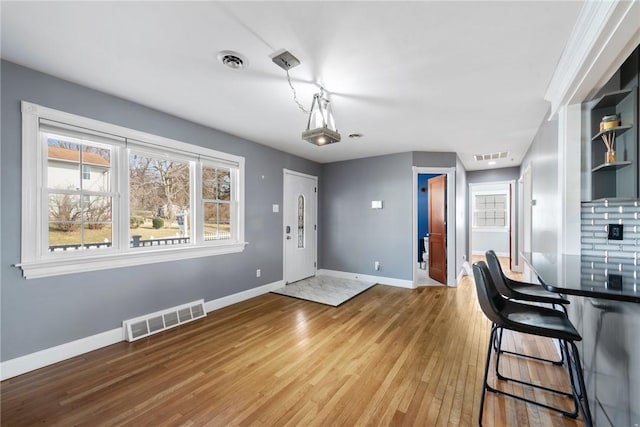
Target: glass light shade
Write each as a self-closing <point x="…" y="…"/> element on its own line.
<point x="321" y="128"/>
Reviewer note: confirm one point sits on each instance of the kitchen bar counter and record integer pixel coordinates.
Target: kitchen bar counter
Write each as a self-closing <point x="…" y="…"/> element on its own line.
<point x="587" y="276"/>
<point x="605" y="309"/>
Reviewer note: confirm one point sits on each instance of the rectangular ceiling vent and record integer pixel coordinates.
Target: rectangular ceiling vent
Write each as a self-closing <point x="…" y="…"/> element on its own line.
<point x="491" y="156"/>
<point x="159" y="321"/>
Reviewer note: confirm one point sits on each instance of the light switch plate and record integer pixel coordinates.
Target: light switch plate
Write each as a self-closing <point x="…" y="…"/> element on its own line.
<point x="376" y="204"/>
<point x="276" y="208"/>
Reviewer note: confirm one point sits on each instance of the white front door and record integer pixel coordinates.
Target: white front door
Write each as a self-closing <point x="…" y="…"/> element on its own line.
<point x="299" y="214"/>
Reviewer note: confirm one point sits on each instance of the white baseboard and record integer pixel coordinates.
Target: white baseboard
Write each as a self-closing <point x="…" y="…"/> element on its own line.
<point x="401" y="283"/>
<point x="49" y="356"/>
<point x="464" y="271"/>
<point x="242" y="296"/>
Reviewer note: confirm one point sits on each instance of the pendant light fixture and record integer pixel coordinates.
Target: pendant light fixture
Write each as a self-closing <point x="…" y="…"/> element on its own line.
<point x="321" y="128"/>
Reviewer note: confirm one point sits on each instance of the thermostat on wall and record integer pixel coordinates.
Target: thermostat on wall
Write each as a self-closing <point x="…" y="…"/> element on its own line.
<point x="376" y="204"/>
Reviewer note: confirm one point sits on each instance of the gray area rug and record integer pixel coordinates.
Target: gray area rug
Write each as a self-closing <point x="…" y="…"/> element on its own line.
<point x="324" y="289"/>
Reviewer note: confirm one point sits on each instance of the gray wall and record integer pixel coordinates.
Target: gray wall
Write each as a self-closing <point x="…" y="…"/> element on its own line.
<point x="543" y="157"/>
<point x="494" y="175"/>
<point x="430" y="159"/>
<point x="354" y="235"/>
<point x="41" y="313"/>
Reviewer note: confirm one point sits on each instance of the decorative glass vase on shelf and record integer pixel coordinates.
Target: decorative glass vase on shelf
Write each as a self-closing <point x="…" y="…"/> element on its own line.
<point x="610" y="156"/>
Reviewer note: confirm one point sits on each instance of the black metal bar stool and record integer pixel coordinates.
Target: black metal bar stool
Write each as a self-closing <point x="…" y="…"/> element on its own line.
<point x="521" y="291"/>
<point x="534" y="320"/>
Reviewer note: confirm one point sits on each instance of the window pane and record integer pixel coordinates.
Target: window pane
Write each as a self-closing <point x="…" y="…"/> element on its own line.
<point x="300" y="221"/>
<point x="491" y="210"/>
<point x="97" y="209"/>
<point x="224" y="184"/>
<point x="216" y="192"/>
<point x="73" y="166"/>
<point x="64" y="211"/>
<point x="79" y="222"/>
<point x="63" y="165"/>
<point x="209" y="183"/>
<point x="211" y="221"/>
<point x="217" y="219"/>
<point x="224" y="224"/>
<point x="159" y="201"/>
<point x="216" y="183"/>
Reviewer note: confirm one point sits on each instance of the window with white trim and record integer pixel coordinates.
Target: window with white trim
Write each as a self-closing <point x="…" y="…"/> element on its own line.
<point x="490" y="211"/>
<point x="99" y="196"/>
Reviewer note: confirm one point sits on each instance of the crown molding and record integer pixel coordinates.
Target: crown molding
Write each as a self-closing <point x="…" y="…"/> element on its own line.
<point x="604" y="35"/>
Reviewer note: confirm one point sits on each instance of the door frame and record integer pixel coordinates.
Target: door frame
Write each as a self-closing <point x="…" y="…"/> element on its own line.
<point x="526" y="213"/>
<point x="513" y="220"/>
<point x="451" y="221"/>
<point x="286" y="172"/>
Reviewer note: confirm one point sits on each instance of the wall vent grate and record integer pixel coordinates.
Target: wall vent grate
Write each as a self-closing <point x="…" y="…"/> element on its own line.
<point x="153" y="323"/>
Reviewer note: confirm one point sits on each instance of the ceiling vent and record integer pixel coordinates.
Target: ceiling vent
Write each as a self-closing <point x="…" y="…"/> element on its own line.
<point x="233" y="60"/>
<point x="491" y="156"/>
<point x="159" y="321"/>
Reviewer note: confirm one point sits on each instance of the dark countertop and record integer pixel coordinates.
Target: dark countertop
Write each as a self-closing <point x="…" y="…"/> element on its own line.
<point x="588" y="276"/>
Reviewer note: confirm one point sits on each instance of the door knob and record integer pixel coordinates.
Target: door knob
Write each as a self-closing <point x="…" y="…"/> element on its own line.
<point x="288" y="230"/>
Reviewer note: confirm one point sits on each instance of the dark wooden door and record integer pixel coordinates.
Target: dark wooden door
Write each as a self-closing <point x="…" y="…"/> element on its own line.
<point x="438" y="228"/>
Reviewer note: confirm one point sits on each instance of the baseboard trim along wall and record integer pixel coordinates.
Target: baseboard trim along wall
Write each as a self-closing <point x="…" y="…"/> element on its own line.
<point x="242" y="296"/>
<point x="49" y="356"/>
<point x="464" y="271"/>
<point x="400" y="283"/>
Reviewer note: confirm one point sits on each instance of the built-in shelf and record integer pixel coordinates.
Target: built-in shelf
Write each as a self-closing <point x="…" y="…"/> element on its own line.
<point x="611" y="99"/>
<point x="619" y="130"/>
<point x="611" y="166"/>
<point x="616" y="180"/>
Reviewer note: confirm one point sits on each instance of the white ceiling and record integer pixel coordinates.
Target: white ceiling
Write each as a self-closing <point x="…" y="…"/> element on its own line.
<point x="467" y="77"/>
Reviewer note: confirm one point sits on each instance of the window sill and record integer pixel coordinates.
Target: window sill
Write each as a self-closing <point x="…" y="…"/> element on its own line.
<point x="58" y="267"/>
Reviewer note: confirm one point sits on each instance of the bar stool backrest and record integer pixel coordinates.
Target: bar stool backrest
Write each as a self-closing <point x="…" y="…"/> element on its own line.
<point x="499" y="279"/>
<point x="491" y="302"/>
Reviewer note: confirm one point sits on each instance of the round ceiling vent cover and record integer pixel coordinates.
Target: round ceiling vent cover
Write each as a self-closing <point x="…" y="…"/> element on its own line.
<point x="233" y="60"/>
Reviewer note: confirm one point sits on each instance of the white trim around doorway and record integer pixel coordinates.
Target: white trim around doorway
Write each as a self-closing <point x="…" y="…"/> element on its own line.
<point x="513" y="219"/>
<point x="451" y="221"/>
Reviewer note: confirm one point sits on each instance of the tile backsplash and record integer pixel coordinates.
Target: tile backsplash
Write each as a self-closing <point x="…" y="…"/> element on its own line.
<point x="595" y="219"/>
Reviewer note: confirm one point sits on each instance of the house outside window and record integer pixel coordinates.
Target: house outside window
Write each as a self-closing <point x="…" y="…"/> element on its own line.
<point x="107" y="196"/>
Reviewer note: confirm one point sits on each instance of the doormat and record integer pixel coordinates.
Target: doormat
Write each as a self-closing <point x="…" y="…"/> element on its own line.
<point x="327" y="290"/>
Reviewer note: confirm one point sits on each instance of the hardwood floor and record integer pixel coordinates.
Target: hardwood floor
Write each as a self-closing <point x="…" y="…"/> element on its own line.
<point x="390" y="356"/>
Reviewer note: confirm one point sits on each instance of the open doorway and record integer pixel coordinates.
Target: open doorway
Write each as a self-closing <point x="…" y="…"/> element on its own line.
<point x="433" y="226"/>
<point x="423" y="260"/>
<point x="492" y="221"/>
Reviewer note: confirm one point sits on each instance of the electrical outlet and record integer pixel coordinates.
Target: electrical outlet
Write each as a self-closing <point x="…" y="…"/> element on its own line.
<point x="376" y="265"/>
<point x="258" y="273"/>
<point x="615" y="232"/>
